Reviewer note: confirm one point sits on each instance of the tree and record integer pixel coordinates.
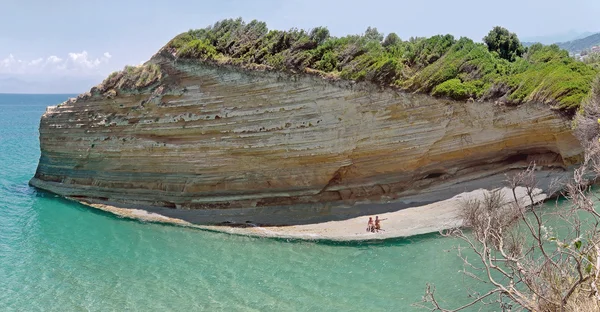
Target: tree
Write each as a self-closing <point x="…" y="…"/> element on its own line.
<point x="505" y="43"/>
<point x="390" y="40"/>
<point x="319" y="34"/>
<point x="528" y="264"/>
<point x="371" y="34"/>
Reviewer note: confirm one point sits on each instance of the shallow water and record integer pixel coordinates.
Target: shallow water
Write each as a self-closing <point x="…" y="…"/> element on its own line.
<point x="57" y="255"/>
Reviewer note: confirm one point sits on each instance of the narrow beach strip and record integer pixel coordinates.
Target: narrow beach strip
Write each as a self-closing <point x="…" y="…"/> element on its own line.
<point x="402" y="223"/>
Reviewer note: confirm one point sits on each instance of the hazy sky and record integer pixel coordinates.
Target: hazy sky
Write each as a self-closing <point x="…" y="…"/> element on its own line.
<point x="80" y="42"/>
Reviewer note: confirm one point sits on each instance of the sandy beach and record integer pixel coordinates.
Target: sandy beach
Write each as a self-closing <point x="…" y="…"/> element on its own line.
<point x="402" y="223"/>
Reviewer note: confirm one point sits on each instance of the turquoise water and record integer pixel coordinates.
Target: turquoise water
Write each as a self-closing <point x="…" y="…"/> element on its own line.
<point x="56" y="255"/>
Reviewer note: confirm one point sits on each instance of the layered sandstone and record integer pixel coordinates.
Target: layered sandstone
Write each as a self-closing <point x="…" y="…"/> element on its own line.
<point x="212" y="143"/>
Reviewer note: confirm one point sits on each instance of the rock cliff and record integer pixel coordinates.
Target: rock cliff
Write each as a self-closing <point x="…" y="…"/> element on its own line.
<point x="212" y="143"/>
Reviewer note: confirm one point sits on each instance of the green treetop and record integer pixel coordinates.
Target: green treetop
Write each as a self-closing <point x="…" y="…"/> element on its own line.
<point x="443" y="66"/>
<point x="505" y="43"/>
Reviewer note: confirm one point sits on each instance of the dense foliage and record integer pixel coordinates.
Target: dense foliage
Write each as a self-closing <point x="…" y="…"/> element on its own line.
<point x="505" y="43"/>
<point x="440" y="65"/>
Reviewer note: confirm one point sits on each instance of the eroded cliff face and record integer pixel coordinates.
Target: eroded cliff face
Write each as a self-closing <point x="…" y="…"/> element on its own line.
<point x="212" y="144"/>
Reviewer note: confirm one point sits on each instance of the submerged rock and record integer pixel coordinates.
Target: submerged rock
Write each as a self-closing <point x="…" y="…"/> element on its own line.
<point x="210" y="143"/>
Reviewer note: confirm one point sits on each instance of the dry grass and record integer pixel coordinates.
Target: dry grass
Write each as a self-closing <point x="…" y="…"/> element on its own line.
<point x="132" y="78"/>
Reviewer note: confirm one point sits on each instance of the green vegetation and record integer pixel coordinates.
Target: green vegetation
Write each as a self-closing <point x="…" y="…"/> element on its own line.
<point x="440" y="65"/>
<point x="549" y="73"/>
<point x="456" y="89"/>
<point x="133" y="78"/>
<point x="505" y="43"/>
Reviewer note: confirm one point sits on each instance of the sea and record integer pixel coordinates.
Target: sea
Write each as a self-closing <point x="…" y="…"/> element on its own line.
<point x="58" y="255"/>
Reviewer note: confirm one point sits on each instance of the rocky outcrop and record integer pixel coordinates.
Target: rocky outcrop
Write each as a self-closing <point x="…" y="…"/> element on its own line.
<point x="210" y="143"/>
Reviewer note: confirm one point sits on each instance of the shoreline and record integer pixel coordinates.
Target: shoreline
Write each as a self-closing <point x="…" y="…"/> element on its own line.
<point x="405" y="222"/>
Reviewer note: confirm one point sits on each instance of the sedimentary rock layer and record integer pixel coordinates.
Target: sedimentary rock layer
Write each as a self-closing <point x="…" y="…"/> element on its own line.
<point x="213" y="144"/>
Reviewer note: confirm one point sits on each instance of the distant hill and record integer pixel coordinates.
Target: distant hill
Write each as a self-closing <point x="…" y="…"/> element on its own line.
<point x="528" y="43"/>
<point x="579" y="45"/>
<point x="550" y="39"/>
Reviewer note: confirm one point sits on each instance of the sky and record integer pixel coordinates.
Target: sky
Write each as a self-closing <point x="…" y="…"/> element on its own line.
<point x="67" y="46"/>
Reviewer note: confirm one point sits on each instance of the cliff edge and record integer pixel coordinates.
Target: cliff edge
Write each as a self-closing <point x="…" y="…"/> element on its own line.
<point x="214" y="143"/>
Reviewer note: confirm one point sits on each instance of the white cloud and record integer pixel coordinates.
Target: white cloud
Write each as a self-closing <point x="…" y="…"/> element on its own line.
<point x="9" y="61"/>
<point x="82" y="59"/>
<point x="75" y="64"/>
<point x="53" y="59"/>
<point x="35" y="62"/>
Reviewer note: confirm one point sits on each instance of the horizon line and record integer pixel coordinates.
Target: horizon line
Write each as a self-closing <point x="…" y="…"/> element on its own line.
<point x="34" y="93"/>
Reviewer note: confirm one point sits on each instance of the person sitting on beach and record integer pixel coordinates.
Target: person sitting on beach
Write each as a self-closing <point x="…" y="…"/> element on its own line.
<point x="370" y="226"/>
<point x="377" y="225"/>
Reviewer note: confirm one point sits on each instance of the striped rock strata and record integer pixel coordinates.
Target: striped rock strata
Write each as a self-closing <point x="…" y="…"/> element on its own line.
<point x="212" y="144"/>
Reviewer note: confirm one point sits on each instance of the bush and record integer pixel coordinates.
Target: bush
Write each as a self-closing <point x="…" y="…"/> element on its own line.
<point x="439" y="65"/>
<point x="371" y="34"/>
<point x="132" y="78"/>
<point x="319" y="35"/>
<point x="199" y="49"/>
<point x="552" y="77"/>
<point x="328" y="62"/>
<point x="390" y="39"/>
<point x="455" y="89"/>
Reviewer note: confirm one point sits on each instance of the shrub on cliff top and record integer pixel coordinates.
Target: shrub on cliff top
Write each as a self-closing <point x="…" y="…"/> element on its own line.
<point x="547" y="74"/>
<point x="132" y="78"/>
<point x="439" y="65"/>
<point x="455" y="89"/>
<point x="505" y="43"/>
<point x="198" y="49"/>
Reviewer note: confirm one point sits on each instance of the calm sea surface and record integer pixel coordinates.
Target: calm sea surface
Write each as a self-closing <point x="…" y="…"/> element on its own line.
<point x="56" y="255"/>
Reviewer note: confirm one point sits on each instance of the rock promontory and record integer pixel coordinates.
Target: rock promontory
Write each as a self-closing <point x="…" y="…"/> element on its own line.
<point x="212" y="142"/>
